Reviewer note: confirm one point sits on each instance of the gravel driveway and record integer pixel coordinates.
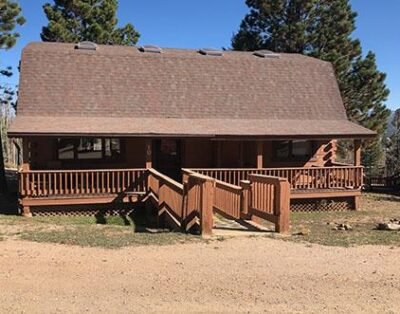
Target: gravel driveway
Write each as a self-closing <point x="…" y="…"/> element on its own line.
<point x="234" y="275"/>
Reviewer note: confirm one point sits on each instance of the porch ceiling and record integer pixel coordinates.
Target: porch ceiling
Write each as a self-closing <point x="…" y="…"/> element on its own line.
<point x="172" y="127"/>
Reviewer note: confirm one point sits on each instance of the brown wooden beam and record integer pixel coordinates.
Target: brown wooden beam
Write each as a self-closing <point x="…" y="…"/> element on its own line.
<point x="260" y="155"/>
<point x="25" y="154"/>
<point x="357" y="152"/>
<point x="149" y="153"/>
<point x="324" y="194"/>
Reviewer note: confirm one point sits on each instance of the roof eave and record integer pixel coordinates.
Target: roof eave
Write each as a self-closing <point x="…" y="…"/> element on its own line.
<point x="214" y="136"/>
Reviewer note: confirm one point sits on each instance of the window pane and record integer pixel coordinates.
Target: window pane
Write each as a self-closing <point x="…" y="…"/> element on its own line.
<point x="112" y="148"/>
<point x="65" y="149"/>
<point x="301" y="149"/>
<point x="282" y="150"/>
<point x="90" y="148"/>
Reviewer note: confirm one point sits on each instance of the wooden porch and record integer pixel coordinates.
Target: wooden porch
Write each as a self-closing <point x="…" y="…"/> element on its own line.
<point x="38" y="188"/>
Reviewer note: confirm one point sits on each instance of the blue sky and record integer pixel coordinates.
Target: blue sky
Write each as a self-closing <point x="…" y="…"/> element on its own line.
<point x="211" y="23"/>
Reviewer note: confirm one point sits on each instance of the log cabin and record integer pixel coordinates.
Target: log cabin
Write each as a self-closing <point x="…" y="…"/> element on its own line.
<point x="94" y="119"/>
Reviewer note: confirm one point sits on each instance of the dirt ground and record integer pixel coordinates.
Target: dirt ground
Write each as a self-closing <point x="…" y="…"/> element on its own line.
<point x="243" y="274"/>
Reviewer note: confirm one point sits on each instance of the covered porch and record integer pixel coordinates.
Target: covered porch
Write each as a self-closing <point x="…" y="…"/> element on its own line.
<point x="68" y="173"/>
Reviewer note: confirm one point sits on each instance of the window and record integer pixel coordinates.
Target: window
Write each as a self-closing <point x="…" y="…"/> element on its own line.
<point x="88" y="148"/>
<point x="298" y="150"/>
<point x="301" y="149"/>
<point x="282" y="150"/>
<point x="66" y="149"/>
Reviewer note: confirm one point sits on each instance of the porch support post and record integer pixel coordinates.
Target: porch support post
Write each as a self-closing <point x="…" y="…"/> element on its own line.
<point x="149" y="153"/>
<point x="357" y="162"/>
<point x="357" y="152"/>
<point x="260" y="153"/>
<point x="25" y="154"/>
<point x="26" y="210"/>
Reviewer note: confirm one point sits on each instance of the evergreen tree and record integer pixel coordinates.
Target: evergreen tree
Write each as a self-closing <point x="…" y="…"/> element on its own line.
<point x="73" y="21"/>
<point x="10" y="17"/>
<point x="393" y="147"/>
<point x="322" y="29"/>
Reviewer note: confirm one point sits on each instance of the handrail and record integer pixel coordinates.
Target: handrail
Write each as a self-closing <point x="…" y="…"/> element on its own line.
<point x="81" y="170"/>
<point x="270" y="199"/>
<point x="280" y="168"/>
<point x="38" y="183"/>
<point x="165" y="178"/>
<point x="306" y="178"/>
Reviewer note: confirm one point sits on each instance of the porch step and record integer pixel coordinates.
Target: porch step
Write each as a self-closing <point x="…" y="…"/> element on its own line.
<point x="239" y="227"/>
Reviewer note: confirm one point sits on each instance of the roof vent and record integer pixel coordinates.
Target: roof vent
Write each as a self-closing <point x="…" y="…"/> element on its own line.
<point x="266" y="54"/>
<point x="86" y="45"/>
<point x="211" y="52"/>
<point x="150" y="48"/>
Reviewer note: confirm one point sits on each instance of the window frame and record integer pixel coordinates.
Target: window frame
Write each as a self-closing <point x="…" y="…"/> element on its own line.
<point x="103" y="158"/>
<point x="291" y="157"/>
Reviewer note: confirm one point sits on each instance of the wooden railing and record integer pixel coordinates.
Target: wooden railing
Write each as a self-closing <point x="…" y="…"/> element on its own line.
<point x="270" y="199"/>
<point x="262" y="196"/>
<point x="183" y="206"/>
<point x="309" y="178"/>
<point x="199" y="196"/>
<point x="53" y="183"/>
<point x="169" y="195"/>
<point x="227" y="199"/>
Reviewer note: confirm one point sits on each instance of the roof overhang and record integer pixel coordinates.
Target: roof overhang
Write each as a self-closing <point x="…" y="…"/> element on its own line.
<point x="218" y="129"/>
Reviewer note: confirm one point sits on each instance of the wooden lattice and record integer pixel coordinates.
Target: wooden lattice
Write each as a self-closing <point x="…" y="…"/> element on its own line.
<point x="331" y="204"/>
<point x="87" y="210"/>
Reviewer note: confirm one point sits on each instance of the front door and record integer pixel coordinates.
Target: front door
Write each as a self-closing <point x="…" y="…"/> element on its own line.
<point x="167" y="157"/>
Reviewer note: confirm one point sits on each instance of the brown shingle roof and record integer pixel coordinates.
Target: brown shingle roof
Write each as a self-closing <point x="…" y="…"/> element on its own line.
<point x="120" y="90"/>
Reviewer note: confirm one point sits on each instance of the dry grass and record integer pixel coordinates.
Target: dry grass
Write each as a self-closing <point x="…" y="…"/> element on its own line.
<point x="318" y="227"/>
<point x="115" y="232"/>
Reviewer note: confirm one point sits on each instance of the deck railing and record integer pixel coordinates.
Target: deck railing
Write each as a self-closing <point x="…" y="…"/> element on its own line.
<point x="262" y="196"/>
<point x="227" y="199"/>
<point x="308" y="178"/>
<point x="45" y="183"/>
<point x="270" y="199"/>
<point x="169" y="193"/>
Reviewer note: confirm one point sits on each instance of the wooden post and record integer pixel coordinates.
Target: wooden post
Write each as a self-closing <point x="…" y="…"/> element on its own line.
<point x="206" y="210"/>
<point x="245" y="199"/>
<point x="260" y="157"/>
<point x="26" y="166"/>
<point x="149" y="154"/>
<point x="25" y="154"/>
<point x="357" y="152"/>
<point x="282" y="206"/>
<point x="26" y="211"/>
<point x="357" y="162"/>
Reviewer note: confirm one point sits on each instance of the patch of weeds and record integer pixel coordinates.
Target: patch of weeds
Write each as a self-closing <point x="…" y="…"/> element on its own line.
<point x="375" y="208"/>
<point x="106" y="237"/>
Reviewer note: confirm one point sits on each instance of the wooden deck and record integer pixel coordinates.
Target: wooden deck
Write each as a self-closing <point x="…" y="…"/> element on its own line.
<point x="236" y="193"/>
<point x="324" y="193"/>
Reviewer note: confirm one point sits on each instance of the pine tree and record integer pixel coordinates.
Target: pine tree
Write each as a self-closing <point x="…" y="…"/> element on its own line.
<point x="323" y="29"/>
<point x="10" y="17"/>
<point x="73" y="21"/>
<point x="393" y="147"/>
